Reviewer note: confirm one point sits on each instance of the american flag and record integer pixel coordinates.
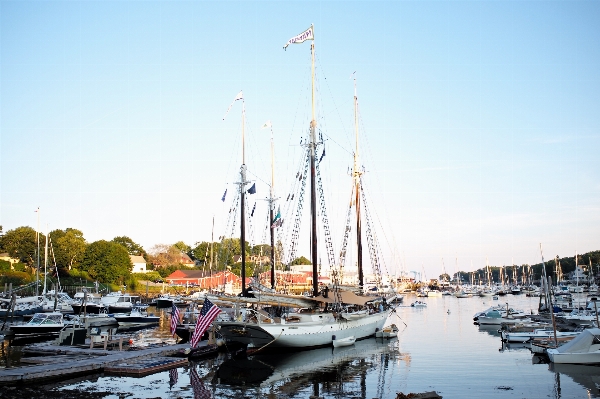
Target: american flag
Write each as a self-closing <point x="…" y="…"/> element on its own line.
<point x="174" y="318"/>
<point x="208" y="313"/>
<point x="200" y="391"/>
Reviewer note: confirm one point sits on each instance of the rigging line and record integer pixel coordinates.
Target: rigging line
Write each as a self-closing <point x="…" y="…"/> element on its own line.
<point x="344" y="128"/>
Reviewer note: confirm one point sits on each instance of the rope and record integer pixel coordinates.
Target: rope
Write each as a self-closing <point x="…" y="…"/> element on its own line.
<point x="263" y="347"/>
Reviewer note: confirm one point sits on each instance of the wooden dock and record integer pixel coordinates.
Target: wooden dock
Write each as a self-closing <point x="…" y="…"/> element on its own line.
<point x="60" y="362"/>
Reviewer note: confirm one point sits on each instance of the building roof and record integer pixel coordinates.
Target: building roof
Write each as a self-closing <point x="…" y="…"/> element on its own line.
<point x="137" y="259"/>
<point x="179" y="274"/>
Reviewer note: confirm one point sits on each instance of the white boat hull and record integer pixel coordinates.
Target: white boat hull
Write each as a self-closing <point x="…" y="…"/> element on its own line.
<point x="573" y="358"/>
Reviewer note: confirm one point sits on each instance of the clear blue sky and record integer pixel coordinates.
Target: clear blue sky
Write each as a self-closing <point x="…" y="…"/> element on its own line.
<point x="480" y="122"/>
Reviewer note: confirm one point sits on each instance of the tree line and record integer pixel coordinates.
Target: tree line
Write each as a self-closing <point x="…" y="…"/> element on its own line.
<point x="70" y="255"/>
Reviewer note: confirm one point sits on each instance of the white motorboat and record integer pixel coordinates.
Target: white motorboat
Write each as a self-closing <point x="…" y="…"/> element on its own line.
<point x="40" y="323"/>
<point x="583" y="349"/>
<point x="418" y="304"/>
<point x="390" y="331"/>
<point x="136" y="318"/>
<point x="526" y="336"/>
<point x="344" y="341"/>
<point x="117" y="302"/>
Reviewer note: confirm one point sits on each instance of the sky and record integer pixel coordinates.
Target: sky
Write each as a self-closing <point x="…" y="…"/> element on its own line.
<point x="479" y="127"/>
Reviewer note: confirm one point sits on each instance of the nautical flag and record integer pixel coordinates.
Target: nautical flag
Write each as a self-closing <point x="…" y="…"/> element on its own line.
<point x="200" y="391"/>
<point x="224" y="194"/>
<point x="174" y="318"/>
<point x="253" y="208"/>
<point x="267" y="124"/>
<point x="240" y="96"/>
<point x="173" y="377"/>
<point x="306" y="35"/>
<point x="322" y="155"/>
<point x="276" y="218"/>
<point x="252" y="190"/>
<point x="208" y="313"/>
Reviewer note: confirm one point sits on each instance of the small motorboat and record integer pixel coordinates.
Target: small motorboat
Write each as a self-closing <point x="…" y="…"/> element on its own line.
<point x="418" y="304"/>
<point x="390" y="331"/>
<point x="344" y="341"/>
<point x="137" y="318"/>
<point x="41" y="323"/>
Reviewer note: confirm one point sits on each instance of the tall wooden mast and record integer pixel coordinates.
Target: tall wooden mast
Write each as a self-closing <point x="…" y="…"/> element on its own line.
<point x="356" y="173"/>
<point x="313" y="189"/>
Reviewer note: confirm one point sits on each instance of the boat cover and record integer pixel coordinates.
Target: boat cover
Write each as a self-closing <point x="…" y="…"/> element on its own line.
<point x="582" y="342"/>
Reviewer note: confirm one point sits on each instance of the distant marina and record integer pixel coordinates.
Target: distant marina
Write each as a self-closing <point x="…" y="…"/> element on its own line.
<point x="438" y="348"/>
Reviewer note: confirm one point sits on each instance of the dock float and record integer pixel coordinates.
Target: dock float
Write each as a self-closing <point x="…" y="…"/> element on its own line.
<point x="144" y="367"/>
<point x="64" y="364"/>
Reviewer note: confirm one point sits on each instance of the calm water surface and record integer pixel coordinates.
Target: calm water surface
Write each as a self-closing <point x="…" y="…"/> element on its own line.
<point x="439" y="349"/>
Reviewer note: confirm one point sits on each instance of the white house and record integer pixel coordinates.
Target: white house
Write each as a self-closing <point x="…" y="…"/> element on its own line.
<point x="139" y="264"/>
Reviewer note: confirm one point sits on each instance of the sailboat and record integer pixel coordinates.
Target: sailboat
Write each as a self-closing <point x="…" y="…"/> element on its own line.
<point x="330" y="317"/>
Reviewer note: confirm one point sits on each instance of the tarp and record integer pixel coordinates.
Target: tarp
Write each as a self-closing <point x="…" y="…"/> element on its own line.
<point x="582" y="342"/>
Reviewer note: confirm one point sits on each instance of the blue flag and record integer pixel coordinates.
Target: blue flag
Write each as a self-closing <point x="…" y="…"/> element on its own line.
<point x="224" y="194"/>
<point x="252" y="190"/>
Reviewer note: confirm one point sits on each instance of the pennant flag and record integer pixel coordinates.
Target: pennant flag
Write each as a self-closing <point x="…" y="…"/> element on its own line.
<point x="174" y="319"/>
<point x="252" y="190"/>
<point x="224" y="194"/>
<point x="240" y="96"/>
<point x="306" y="35"/>
<point x="267" y="124"/>
<point x="276" y="218"/>
<point x="253" y="208"/>
<point x="322" y="155"/>
<point x="208" y="313"/>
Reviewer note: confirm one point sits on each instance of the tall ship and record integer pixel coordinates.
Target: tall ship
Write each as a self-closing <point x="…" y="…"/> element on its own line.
<point x="327" y="315"/>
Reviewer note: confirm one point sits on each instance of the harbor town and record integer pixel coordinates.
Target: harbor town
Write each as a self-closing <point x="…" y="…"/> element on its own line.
<point x="299" y="200"/>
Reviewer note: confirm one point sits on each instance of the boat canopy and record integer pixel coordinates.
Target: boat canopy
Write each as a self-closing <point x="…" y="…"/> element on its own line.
<point x="582" y="342"/>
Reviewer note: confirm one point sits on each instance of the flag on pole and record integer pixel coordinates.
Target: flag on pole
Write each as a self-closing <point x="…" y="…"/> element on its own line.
<point x="252" y="190"/>
<point x="306" y="35"/>
<point x="174" y="318"/>
<point x="266" y="125"/>
<point x="208" y="313"/>
<point x="253" y="209"/>
<point x="224" y="194"/>
<point x="276" y="218"/>
<point x="240" y="96"/>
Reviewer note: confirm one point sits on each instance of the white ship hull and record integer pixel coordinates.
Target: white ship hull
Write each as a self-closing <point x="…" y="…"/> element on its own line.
<point x="306" y="334"/>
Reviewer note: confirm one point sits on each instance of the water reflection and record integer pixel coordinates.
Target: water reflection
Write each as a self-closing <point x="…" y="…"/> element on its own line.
<point x="586" y="376"/>
<point x="315" y="372"/>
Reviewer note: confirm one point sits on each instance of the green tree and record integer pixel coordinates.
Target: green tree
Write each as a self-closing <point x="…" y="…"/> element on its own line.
<point x="301" y="261"/>
<point x="69" y="247"/>
<point x="183" y="247"/>
<point x="107" y="262"/>
<point x="132" y="247"/>
<point x="21" y="243"/>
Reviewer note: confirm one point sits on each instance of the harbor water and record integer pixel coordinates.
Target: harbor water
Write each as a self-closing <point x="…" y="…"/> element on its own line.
<point x="438" y="349"/>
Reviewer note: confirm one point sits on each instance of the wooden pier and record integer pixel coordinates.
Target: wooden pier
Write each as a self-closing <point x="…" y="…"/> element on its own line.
<point x="60" y="362"/>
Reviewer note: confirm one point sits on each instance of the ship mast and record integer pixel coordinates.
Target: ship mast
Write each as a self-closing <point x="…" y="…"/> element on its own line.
<point x="313" y="189"/>
<point x="356" y="173"/>
<point x="243" y="183"/>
